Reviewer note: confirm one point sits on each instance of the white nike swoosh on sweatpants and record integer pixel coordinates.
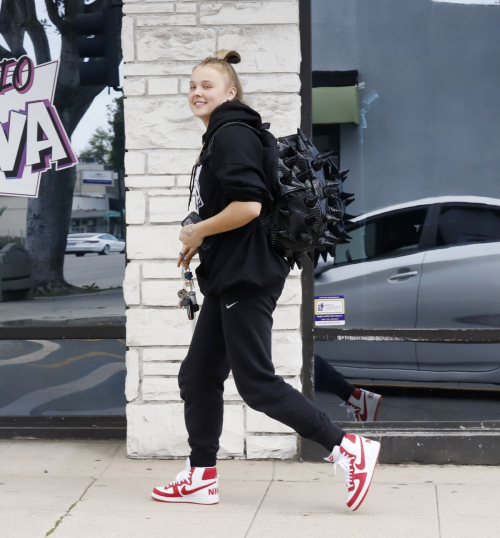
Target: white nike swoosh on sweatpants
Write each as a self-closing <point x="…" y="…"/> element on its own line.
<point x="231" y="305"/>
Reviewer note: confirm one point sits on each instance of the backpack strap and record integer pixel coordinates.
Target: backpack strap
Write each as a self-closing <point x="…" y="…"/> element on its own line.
<point x="210" y="149"/>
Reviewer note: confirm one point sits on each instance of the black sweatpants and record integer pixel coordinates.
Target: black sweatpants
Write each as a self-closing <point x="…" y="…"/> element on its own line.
<point x="327" y="379"/>
<point x="236" y="336"/>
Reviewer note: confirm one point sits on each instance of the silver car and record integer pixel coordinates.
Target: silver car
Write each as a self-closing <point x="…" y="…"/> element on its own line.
<point x="432" y="263"/>
<point x="81" y="244"/>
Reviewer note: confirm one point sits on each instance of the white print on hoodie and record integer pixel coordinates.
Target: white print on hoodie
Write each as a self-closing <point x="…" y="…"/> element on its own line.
<point x="198" y="200"/>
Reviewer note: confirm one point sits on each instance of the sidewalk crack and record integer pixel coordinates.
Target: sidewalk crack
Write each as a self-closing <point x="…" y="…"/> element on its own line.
<point x="261" y="501"/>
<point x="59" y="521"/>
<point x="437" y="505"/>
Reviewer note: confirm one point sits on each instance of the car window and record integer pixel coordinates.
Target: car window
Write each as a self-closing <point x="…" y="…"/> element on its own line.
<point x="392" y="234"/>
<point x="104" y="236"/>
<point x="466" y="224"/>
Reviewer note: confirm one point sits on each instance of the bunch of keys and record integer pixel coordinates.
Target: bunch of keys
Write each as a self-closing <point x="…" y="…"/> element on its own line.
<point x="188" y="298"/>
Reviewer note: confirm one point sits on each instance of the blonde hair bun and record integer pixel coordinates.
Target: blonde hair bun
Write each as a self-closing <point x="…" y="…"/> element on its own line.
<point x="229" y="56"/>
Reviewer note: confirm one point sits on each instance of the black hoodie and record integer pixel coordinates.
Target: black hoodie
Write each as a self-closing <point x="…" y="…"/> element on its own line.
<point x="241" y="262"/>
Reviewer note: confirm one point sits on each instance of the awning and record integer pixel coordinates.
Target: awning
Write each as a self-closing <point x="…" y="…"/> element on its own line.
<point x="335" y="104"/>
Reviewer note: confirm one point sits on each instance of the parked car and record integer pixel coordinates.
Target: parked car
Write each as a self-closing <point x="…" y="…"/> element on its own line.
<point x="432" y="263"/>
<point x="81" y="244"/>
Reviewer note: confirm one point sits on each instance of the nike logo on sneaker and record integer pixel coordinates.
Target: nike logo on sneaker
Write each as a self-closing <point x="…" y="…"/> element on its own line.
<point x="185" y="491"/>
<point x="229" y="306"/>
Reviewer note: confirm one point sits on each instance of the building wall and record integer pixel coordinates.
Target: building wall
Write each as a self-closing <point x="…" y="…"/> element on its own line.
<point x="428" y="75"/>
<point x="162" y="42"/>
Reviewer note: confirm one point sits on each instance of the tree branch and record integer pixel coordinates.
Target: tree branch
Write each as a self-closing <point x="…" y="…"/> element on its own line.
<point x="12" y="25"/>
<point x="54" y="16"/>
<point x="37" y="34"/>
<point x="5" y="54"/>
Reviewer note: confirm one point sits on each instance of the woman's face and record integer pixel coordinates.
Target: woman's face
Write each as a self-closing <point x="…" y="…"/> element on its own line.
<point x="208" y="86"/>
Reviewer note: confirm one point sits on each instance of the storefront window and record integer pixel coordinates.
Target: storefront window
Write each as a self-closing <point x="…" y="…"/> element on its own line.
<point x="63" y="245"/>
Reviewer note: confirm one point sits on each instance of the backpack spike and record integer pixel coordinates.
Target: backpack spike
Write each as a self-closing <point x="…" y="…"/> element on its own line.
<point x="350" y="201"/>
<point x="344" y="195"/>
<point x="289" y="162"/>
<point x="305" y="237"/>
<point x="302" y="163"/>
<point x="343" y="174"/>
<point x="310" y="255"/>
<point x="286" y="179"/>
<point x="291" y="261"/>
<point x="332" y="183"/>
<point x="348" y="216"/>
<point x="311" y="202"/>
<point x="285" y="151"/>
<point x="321" y="160"/>
<point x="331" y="218"/>
<point x="330" y="190"/>
<point x="332" y="211"/>
<point x="297" y="256"/>
<point x="303" y="137"/>
<point x="324" y="243"/>
<point x="301" y="146"/>
<point x="329" y="236"/>
<point x="304" y="175"/>
<point x="345" y="235"/>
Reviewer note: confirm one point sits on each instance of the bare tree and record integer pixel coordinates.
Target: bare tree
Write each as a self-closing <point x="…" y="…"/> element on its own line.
<point x="49" y="215"/>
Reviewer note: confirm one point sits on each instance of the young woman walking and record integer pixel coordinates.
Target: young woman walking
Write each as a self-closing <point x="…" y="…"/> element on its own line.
<point x="241" y="279"/>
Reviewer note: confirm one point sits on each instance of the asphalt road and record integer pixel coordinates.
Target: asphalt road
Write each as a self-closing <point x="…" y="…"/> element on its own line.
<point x="106" y="271"/>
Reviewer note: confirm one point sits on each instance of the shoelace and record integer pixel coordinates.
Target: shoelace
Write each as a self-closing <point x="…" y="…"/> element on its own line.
<point x="182" y="476"/>
<point x="344" y="462"/>
<point x="350" y="409"/>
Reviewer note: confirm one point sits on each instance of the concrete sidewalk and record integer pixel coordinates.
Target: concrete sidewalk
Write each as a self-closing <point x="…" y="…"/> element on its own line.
<point x="73" y="489"/>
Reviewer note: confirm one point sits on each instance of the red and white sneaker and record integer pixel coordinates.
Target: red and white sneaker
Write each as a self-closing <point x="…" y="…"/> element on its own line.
<point x="363" y="405"/>
<point x="197" y="485"/>
<point x="357" y="456"/>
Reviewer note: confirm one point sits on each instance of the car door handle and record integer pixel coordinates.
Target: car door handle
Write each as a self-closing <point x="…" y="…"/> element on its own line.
<point x="408" y="274"/>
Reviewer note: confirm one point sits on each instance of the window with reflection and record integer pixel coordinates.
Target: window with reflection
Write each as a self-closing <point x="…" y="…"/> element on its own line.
<point x="406" y="105"/>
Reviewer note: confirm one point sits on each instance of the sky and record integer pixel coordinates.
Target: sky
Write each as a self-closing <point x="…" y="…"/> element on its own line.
<point x="96" y="115"/>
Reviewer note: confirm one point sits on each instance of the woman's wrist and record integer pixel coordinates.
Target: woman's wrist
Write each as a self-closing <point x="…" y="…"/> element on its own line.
<point x="200" y="229"/>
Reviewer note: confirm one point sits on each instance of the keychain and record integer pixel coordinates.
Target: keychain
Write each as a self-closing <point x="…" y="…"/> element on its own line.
<point x="188" y="298"/>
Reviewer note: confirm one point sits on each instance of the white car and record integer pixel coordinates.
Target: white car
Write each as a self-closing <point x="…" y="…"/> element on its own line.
<point x="81" y="244"/>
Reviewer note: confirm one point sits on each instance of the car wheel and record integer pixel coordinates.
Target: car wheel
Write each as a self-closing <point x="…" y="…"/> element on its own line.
<point x="104" y="251"/>
<point x="79" y="254"/>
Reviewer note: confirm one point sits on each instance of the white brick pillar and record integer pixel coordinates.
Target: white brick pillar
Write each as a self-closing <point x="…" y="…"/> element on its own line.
<point x="162" y="42"/>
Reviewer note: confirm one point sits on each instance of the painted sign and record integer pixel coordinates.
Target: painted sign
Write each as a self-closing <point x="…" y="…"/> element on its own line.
<point x="102" y="177"/>
<point x="31" y="134"/>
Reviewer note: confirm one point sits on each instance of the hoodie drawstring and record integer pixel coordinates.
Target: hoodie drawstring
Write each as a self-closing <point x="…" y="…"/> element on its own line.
<point x="193" y="175"/>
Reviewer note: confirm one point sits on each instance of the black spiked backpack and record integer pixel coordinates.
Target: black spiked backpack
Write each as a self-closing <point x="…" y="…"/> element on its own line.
<point x="308" y="213"/>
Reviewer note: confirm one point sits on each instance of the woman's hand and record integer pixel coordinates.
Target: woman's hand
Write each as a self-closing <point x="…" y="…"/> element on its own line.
<point x="189" y="253"/>
<point x="191" y="236"/>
